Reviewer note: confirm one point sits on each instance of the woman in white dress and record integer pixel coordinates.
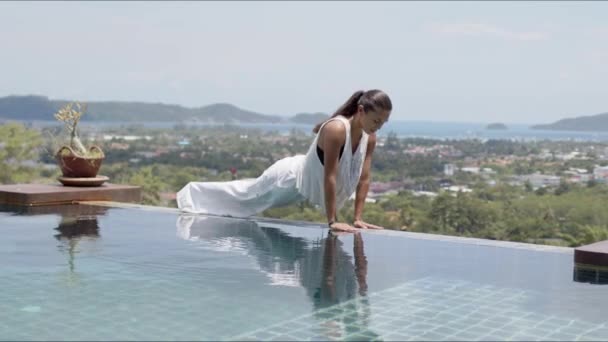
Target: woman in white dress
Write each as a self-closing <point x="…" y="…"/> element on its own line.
<point x="336" y="165"/>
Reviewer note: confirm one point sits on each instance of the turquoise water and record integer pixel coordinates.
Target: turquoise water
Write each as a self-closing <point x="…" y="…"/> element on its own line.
<point x="91" y="273"/>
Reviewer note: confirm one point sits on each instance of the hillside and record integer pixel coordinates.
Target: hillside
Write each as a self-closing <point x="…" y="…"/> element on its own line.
<point x="598" y="122"/>
<point x="34" y="107"/>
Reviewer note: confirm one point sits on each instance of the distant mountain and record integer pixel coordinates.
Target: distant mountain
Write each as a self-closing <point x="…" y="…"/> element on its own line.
<point x="34" y="107"/>
<point x="497" y="126"/>
<point x="309" y="118"/>
<point x="598" y="122"/>
<point x="227" y="113"/>
<point x="28" y="107"/>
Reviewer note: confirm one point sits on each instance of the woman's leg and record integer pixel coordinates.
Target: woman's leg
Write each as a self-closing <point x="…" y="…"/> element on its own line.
<point x="245" y="197"/>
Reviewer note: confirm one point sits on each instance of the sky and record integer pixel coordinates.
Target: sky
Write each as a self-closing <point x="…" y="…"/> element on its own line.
<point x="512" y="62"/>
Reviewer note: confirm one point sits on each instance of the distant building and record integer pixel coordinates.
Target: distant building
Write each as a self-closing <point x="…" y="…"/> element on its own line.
<point x="470" y="169"/>
<point x="146" y="154"/>
<point x="538" y="180"/>
<point x="186" y="155"/>
<point x="545" y="154"/>
<point x="444" y="183"/>
<point x="379" y="189"/>
<point x="448" y="169"/>
<point x="580" y="178"/>
<point x="161" y="150"/>
<point x="458" y="188"/>
<point x="424" y="193"/>
<point x="126" y="137"/>
<point x="368" y="199"/>
<point x="600" y="174"/>
<point x="576" y="175"/>
<point x="119" y="146"/>
<point x="570" y="156"/>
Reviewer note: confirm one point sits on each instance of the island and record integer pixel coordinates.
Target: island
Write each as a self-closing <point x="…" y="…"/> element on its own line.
<point x="591" y="123"/>
<point x="497" y="125"/>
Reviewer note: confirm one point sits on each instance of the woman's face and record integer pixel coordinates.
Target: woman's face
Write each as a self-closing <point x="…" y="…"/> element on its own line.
<point x="372" y="121"/>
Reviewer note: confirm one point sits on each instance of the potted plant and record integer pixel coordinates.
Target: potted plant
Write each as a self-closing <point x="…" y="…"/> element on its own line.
<point x="74" y="159"/>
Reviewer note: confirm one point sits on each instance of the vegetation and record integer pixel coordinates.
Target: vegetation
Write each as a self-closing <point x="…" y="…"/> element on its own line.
<point x="18" y="145"/>
<point x="568" y="219"/>
<point x="163" y="161"/>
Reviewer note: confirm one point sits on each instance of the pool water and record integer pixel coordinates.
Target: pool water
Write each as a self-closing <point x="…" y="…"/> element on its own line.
<point x="137" y="274"/>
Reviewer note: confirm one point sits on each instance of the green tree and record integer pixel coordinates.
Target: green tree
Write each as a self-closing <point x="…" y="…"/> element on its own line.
<point x="17" y="145"/>
<point x="151" y="185"/>
<point x="528" y="186"/>
<point x="562" y="188"/>
<point x="591" y="234"/>
<point x="442" y="212"/>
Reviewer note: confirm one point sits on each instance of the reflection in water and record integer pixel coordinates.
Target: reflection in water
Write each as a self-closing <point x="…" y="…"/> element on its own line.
<point x="72" y="229"/>
<point x="77" y="227"/>
<point x="320" y="265"/>
<point x="339" y="283"/>
<point x="590" y="274"/>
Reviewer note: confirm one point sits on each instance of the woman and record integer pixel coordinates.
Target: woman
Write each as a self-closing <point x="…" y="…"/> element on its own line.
<point x="336" y="165"/>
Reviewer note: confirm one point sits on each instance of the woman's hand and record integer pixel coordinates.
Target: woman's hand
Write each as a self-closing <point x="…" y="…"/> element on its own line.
<point x="342" y="227"/>
<point x="365" y="225"/>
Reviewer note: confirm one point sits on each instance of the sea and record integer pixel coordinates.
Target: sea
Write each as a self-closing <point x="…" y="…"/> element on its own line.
<point x="402" y="129"/>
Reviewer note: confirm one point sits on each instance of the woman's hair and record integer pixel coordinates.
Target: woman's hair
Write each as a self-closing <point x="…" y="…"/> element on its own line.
<point x="370" y="100"/>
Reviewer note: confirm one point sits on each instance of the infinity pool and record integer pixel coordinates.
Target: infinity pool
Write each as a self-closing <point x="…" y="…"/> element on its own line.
<point x="98" y="273"/>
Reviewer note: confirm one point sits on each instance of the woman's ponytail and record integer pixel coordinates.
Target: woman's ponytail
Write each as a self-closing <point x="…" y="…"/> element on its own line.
<point x="348" y="109"/>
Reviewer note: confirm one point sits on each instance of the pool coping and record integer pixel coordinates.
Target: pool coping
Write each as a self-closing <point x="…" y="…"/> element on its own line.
<point x="280" y="223"/>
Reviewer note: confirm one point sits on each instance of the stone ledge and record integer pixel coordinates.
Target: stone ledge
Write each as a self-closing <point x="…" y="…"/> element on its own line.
<point x="54" y="194"/>
<point x="595" y="254"/>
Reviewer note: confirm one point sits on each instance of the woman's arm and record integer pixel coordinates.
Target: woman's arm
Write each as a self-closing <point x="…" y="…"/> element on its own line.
<point x="363" y="186"/>
<point x="360" y="264"/>
<point x="333" y="136"/>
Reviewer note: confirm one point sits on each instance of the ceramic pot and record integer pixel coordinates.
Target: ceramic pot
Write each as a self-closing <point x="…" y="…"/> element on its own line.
<point x="75" y="166"/>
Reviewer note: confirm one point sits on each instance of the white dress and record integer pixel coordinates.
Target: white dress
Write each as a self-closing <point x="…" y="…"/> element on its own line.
<point x="288" y="180"/>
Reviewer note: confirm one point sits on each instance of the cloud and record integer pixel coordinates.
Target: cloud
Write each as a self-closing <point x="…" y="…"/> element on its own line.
<point x="484" y="30"/>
